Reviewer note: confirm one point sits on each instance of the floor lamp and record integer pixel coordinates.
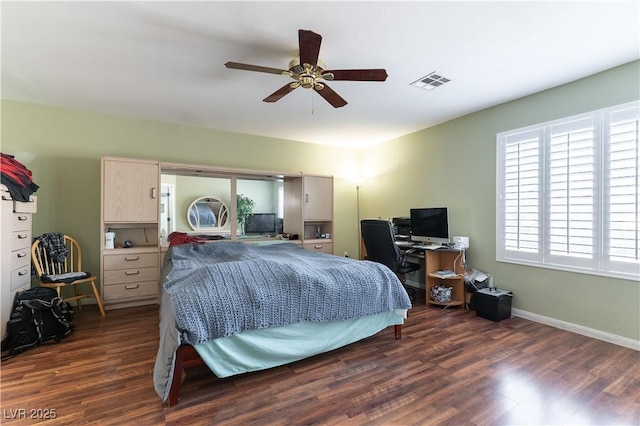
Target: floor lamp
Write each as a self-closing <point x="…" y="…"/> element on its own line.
<point x="358" y="219"/>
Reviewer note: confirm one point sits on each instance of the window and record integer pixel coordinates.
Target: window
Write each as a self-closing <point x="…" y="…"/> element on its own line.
<point x="568" y="193"/>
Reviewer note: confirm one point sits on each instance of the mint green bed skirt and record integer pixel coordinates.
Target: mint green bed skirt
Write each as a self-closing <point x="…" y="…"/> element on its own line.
<point x="270" y="347"/>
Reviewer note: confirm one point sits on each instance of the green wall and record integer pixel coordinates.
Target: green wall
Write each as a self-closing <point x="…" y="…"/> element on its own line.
<point x="452" y="164"/>
<point x="68" y="145"/>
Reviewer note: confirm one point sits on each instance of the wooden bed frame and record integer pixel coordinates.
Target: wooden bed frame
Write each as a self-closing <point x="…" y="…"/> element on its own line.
<point x="187" y="357"/>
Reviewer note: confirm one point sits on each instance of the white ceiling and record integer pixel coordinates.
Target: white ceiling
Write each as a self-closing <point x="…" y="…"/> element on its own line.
<point x="165" y="60"/>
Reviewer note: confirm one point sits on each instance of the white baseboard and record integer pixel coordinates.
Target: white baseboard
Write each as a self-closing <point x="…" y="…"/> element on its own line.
<point x="575" y="328"/>
<point x="579" y="329"/>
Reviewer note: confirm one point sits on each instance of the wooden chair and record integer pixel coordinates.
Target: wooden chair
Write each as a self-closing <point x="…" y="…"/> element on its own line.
<point x="46" y="266"/>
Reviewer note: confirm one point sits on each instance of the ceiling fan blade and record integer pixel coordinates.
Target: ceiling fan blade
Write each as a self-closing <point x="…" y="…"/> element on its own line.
<point x="359" y="75"/>
<point x="309" y="47"/>
<point x="279" y="94"/>
<point x="248" y="67"/>
<point x="330" y="96"/>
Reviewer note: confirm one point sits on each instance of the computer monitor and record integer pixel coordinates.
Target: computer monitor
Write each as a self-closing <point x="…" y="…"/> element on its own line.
<point x="430" y="225"/>
<point x="261" y="223"/>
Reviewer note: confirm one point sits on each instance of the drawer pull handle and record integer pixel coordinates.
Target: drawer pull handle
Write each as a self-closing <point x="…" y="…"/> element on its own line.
<point x="22" y="218"/>
<point x="129" y="259"/>
<point x="131" y="272"/>
<point x="131" y="287"/>
<point x="23" y="273"/>
<point x="22" y="236"/>
<point x="317" y="247"/>
<point x="21" y="255"/>
<point x="5" y="198"/>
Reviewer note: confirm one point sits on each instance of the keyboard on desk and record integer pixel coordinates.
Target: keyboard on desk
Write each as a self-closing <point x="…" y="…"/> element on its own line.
<point x="409" y="246"/>
<point x="404" y="244"/>
<point x="426" y="247"/>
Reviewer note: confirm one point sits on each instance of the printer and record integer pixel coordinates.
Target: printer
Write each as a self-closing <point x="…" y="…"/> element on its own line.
<point x="402" y="228"/>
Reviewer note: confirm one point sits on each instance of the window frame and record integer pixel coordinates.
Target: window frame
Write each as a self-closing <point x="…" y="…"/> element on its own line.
<point x="513" y="244"/>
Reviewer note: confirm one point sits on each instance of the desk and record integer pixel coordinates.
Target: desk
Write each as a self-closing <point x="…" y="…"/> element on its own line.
<point x="436" y="260"/>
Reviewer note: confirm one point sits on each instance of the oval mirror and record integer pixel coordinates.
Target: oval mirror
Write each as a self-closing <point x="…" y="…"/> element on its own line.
<point x="207" y="214"/>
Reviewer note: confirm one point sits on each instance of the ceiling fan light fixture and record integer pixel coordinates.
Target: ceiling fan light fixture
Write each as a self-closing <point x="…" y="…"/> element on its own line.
<point x="307" y="81"/>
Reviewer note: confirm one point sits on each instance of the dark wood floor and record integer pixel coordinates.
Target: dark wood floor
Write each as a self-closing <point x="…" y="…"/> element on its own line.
<point x="450" y="367"/>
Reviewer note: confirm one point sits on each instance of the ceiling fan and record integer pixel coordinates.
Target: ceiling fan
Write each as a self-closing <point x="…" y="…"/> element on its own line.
<point x="309" y="72"/>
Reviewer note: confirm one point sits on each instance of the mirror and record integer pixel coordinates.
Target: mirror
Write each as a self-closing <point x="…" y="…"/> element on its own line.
<point x="207" y="214"/>
<point x="267" y="192"/>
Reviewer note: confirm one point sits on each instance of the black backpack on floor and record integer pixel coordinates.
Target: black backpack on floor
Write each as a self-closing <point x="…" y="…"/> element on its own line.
<point x="38" y="314"/>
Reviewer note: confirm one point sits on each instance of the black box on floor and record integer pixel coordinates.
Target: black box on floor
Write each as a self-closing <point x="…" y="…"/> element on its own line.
<point x="494" y="305"/>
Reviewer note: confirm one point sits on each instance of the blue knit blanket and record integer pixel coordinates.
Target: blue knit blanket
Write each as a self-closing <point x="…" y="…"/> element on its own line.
<point x="221" y="289"/>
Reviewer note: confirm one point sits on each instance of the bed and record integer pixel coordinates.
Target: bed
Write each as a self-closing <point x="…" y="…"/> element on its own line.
<point x="239" y="307"/>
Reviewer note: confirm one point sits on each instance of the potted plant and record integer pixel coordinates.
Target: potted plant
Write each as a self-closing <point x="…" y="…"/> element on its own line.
<point x="245" y="208"/>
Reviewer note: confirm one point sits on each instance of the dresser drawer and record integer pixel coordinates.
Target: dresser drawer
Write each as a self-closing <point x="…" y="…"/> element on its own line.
<point x="323" y="247"/>
<point x="130" y="260"/>
<point x="21" y="277"/>
<point x="30" y="206"/>
<point x="130" y="275"/>
<point x="21" y="221"/>
<point x="21" y="240"/>
<point x="20" y="258"/>
<point x="130" y="291"/>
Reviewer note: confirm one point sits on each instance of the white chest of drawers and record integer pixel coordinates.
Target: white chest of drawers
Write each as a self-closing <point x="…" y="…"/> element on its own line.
<point x="15" y="248"/>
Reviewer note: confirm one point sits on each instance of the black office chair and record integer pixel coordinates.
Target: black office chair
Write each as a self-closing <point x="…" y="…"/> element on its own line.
<point x="379" y="242"/>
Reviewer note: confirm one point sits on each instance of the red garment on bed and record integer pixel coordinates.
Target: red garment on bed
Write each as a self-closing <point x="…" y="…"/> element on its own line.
<point x="177" y="238"/>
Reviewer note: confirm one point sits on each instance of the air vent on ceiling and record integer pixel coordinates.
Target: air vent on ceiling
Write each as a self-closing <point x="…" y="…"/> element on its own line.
<point x="430" y="81"/>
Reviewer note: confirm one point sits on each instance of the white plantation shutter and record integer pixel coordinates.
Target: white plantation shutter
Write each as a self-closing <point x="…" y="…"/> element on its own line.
<point x="571" y="192"/>
<point x="622" y="194"/>
<point x="522" y="192"/>
<point x="568" y="194"/>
